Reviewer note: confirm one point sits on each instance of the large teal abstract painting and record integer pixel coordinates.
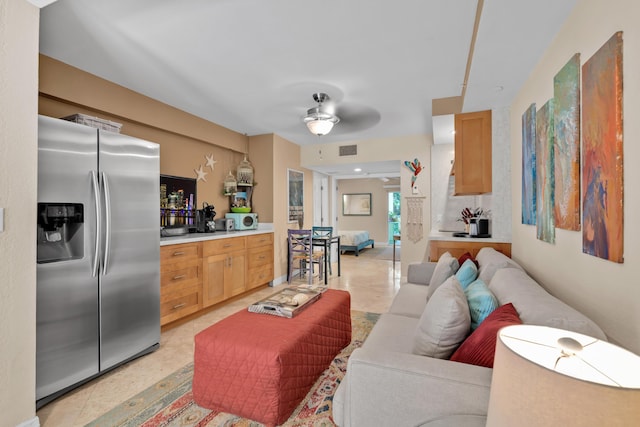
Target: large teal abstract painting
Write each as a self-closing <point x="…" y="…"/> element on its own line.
<point x="545" y="224"/>
<point x="566" y="121"/>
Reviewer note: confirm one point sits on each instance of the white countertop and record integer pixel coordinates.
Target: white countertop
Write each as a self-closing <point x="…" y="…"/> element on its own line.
<point x="199" y="237"/>
<point x="448" y="235"/>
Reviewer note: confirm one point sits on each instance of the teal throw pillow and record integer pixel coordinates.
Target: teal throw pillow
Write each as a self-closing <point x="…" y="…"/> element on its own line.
<point x="467" y="273"/>
<point x="481" y="302"/>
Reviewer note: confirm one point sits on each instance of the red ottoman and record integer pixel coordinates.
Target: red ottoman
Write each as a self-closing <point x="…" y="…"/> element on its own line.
<point x="260" y="366"/>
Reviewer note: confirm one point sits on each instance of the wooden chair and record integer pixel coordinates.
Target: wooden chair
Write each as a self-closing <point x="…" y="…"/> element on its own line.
<point x="301" y="251"/>
<point x="325" y="233"/>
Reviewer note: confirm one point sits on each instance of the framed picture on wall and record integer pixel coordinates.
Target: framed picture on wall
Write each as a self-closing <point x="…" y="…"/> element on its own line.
<point x="295" y="194"/>
<point x="356" y="204"/>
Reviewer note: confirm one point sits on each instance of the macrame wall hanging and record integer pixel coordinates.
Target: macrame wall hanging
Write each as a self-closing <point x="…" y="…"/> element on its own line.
<point x="414" y="218"/>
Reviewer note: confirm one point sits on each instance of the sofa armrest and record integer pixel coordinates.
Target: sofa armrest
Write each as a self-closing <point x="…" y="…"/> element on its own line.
<point x="420" y="273"/>
<point x="391" y="388"/>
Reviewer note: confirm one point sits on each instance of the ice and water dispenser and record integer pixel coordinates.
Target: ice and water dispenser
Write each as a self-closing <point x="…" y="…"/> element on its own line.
<point x="60" y="232"/>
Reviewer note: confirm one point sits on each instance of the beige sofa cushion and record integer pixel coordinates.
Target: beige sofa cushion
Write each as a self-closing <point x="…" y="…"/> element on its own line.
<point x="491" y="261"/>
<point x="410" y="300"/>
<point x="536" y="306"/>
<point x="445" y="323"/>
<point x="446" y="267"/>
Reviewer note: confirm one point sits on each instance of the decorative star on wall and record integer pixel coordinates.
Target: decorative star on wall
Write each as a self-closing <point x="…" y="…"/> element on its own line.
<point x="210" y="161"/>
<point x="201" y="174"/>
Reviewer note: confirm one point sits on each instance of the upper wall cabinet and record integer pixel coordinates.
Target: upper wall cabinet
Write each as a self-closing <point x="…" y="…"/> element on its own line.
<point x="473" y="153"/>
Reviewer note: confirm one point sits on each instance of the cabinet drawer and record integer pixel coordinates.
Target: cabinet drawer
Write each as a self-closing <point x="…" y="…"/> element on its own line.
<point x="180" y="304"/>
<point x="259" y="276"/>
<point x="259" y="240"/>
<point x="183" y="252"/>
<point x="260" y="256"/>
<point x="178" y="278"/>
<point x="226" y="245"/>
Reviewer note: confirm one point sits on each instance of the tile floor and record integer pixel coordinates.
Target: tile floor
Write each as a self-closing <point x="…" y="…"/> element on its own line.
<point x="371" y="282"/>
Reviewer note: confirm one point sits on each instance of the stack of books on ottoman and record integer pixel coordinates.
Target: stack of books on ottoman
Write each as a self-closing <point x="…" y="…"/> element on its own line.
<point x="288" y="302"/>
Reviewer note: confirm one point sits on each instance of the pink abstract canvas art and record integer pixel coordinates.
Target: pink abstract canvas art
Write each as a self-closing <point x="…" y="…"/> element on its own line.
<point x="602" y="168"/>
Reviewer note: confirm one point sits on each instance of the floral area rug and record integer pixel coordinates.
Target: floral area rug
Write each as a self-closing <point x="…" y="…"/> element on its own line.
<point x="170" y="402"/>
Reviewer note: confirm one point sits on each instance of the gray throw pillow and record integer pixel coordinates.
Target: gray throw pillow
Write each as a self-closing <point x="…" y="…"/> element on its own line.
<point x="445" y="322"/>
<point x="446" y="267"/>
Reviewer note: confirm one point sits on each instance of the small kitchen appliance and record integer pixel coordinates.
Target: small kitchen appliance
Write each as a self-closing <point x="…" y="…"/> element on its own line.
<point x="224" y="224"/>
<point x="473" y="227"/>
<point x="483" y="227"/>
<point x="205" y="219"/>
<point x="244" y="221"/>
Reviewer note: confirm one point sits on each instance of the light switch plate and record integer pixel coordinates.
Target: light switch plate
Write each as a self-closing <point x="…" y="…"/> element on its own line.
<point x="1" y="220"/>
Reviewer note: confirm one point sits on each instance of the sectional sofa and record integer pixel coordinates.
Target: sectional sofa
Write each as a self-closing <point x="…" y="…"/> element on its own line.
<point x="422" y="363"/>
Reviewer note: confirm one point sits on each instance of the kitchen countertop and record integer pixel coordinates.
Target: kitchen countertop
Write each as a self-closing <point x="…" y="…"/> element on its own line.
<point x="448" y="235"/>
<point x="199" y="237"/>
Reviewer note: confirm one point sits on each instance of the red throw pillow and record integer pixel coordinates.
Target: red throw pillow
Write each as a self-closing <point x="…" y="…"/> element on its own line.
<point x="480" y="347"/>
<point x="465" y="257"/>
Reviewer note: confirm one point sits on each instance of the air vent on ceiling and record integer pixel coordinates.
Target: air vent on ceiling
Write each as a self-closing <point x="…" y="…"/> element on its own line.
<point x="348" y="150"/>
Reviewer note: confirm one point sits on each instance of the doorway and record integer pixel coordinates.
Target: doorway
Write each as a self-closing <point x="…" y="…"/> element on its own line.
<point x="394" y="215"/>
<point x="321" y="200"/>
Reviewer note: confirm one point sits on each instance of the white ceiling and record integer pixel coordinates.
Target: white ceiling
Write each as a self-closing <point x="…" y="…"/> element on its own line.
<point x="253" y="65"/>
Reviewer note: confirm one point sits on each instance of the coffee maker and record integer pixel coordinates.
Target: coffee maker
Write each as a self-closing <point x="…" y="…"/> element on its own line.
<point x="205" y="219"/>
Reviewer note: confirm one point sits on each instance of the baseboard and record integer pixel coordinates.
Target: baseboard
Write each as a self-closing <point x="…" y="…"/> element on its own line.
<point x="34" y="422"/>
<point x="279" y="281"/>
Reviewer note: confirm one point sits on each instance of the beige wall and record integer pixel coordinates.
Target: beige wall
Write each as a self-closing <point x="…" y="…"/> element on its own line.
<point x="286" y="155"/>
<point x="606" y="291"/>
<point x="261" y="153"/>
<point x="376" y="224"/>
<point x="184" y="139"/>
<point x="18" y="180"/>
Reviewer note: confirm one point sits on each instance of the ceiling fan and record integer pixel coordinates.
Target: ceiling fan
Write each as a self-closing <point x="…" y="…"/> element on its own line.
<point x="321" y="119"/>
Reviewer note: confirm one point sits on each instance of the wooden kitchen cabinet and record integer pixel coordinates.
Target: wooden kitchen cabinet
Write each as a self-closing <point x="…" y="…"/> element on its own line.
<point x="473" y="153"/>
<point x="197" y="275"/>
<point x="259" y="260"/>
<point x="180" y="281"/>
<point x="224" y="266"/>
<point x="458" y="248"/>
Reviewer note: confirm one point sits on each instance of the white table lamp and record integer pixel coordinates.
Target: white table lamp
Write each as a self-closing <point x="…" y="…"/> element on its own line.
<point x="551" y="377"/>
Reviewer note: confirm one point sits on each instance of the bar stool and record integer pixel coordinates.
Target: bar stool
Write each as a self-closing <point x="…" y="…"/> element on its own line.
<point x="301" y="249"/>
<point x="324" y="233"/>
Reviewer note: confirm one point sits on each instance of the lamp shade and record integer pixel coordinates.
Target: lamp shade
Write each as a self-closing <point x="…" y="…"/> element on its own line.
<point x="551" y="377"/>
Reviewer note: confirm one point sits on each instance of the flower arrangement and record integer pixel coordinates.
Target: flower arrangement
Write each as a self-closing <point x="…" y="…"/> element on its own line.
<point x="468" y="213"/>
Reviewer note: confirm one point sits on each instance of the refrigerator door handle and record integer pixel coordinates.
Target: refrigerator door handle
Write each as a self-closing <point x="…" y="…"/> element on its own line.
<point x="96" y="194"/>
<point x="107" y="233"/>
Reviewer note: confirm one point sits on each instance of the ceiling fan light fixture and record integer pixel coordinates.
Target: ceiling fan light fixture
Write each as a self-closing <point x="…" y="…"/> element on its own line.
<point x="320" y="125"/>
<point x="318" y="121"/>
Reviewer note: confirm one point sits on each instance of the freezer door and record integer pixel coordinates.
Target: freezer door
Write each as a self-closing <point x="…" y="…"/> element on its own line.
<point x="130" y="276"/>
<point x="66" y="292"/>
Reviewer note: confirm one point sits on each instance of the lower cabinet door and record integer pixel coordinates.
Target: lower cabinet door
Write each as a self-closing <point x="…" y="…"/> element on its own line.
<point x="235" y="274"/>
<point x="213" y="279"/>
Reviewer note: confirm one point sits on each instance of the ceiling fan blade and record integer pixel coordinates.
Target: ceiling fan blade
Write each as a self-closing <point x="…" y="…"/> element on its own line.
<point x="355" y="117"/>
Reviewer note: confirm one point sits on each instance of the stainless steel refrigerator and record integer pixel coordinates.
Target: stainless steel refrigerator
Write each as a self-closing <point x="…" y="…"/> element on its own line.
<point x="98" y="253"/>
